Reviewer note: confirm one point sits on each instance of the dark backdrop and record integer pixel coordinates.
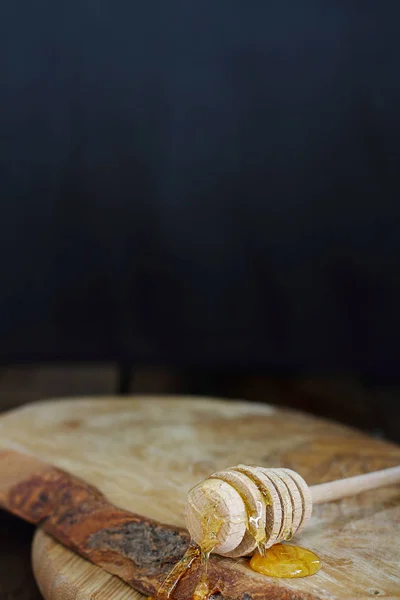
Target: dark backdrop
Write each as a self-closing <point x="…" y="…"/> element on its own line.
<point x="210" y="182"/>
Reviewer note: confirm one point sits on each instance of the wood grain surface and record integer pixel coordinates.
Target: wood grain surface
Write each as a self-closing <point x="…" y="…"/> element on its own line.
<point x="144" y="454"/>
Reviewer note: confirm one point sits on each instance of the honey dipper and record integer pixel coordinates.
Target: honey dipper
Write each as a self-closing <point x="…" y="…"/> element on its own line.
<point x="235" y="510"/>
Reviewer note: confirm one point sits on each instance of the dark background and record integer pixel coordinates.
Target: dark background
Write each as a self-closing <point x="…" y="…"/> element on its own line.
<point x="211" y="188"/>
<point x="199" y="198"/>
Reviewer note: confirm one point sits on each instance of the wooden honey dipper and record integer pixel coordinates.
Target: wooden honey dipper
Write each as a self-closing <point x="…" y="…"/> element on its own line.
<point x="237" y="510"/>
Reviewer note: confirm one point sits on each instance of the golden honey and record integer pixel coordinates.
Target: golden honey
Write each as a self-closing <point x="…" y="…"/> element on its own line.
<point x="211" y="524"/>
<point x="280" y="560"/>
<point x="202" y="590"/>
<point x="283" y="560"/>
<point x="176" y="573"/>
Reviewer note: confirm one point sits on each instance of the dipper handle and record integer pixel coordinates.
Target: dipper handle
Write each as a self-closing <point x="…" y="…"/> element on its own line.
<point x="351" y="486"/>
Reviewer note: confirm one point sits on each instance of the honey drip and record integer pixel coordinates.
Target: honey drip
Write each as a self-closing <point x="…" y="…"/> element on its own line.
<point x="176" y="573"/>
<point x="283" y="560"/>
<point x="280" y="560"/>
<point x="202" y="590"/>
<point x="211" y="524"/>
<point x="254" y="526"/>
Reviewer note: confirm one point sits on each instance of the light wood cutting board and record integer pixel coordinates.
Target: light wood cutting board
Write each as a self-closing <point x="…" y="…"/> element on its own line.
<point x="145" y="453"/>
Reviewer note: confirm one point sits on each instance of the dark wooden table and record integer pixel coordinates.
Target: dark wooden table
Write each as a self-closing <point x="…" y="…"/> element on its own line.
<point x="16" y="577"/>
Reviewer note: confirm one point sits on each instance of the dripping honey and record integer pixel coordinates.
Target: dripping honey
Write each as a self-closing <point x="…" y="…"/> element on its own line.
<point x="254" y="526"/>
<point x="280" y="560"/>
<point x="176" y="573"/>
<point x="211" y="525"/>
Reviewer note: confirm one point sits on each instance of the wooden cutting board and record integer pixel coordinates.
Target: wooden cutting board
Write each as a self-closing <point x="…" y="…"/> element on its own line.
<point x="145" y="453"/>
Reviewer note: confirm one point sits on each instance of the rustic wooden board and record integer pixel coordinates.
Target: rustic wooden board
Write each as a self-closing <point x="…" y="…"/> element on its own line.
<point x="145" y="453"/>
<point x="64" y="575"/>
